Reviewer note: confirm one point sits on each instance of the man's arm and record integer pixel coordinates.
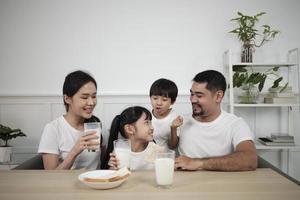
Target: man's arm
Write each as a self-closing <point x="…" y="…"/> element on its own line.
<point x="244" y="158"/>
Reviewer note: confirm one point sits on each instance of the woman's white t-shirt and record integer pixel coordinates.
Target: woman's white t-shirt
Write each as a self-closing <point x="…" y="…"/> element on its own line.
<point x="209" y="139"/>
<point x="59" y="137"/>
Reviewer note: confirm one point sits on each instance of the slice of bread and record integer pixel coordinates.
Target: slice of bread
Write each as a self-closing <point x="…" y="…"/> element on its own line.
<point x="122" y="172"/>
<point x="154" y="149"/>
<point x="116" y="176"/>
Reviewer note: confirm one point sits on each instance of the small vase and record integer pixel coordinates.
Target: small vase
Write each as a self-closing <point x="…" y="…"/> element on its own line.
<point x="249" y="94"/>
<point x="247" y="53"/>
<point x="5" y="154"/>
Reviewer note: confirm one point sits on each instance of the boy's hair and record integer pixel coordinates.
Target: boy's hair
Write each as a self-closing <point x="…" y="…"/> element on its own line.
<point x="214" y="79"/>
<point x="164" y="87"/>
<point x="129" y="116"/>
<point x="74" y="81"/>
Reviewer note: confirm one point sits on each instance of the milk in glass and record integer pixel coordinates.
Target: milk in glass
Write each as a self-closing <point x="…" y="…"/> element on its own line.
<point x="94" y="127"/>
<point x="164" y="171"/>
<point x="122" y="149"/>
<point x="124" y="157"/>
<point x="164" y="168"/>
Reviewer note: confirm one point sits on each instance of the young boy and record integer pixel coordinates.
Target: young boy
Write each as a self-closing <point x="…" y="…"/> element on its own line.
<point x="165" y="122"/>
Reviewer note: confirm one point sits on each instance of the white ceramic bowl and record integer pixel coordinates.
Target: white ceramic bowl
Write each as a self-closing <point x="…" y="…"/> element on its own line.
<point x="100" y="174"/>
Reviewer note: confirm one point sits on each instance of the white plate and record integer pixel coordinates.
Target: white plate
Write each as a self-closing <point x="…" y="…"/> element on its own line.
<point x="100" y="174"/>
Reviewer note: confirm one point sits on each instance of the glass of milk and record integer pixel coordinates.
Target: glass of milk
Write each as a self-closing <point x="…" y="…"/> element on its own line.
<point x="122" y="150"/>
<point x="164" y="168"/>
<point x="94" y="127"/>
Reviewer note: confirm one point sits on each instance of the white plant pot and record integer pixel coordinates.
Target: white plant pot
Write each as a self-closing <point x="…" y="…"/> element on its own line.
<point x="5" y="154"/>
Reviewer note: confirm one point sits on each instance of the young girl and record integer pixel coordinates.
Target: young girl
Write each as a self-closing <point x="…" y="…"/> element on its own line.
<point x="63" y="143"/>
<point x="134" y="123"/>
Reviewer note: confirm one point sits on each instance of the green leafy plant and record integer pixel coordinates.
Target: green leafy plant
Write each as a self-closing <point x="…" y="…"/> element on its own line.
<point x="248" y="33"/>
<point x="242" y="77"/>
<point x="6" y="134"/>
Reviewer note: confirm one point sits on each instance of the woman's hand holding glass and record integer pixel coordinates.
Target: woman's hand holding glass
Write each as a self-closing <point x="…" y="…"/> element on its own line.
<point x="87" y="141"/>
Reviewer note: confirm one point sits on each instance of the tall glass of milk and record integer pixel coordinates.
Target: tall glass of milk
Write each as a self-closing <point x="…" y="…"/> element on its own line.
<point x="164" y="168"/>
<point x="122" y="150"/>
<point x="94" y="127"/>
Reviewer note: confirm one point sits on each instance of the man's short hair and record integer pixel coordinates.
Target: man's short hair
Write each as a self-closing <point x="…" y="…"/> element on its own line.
<point x="214" y="79"/>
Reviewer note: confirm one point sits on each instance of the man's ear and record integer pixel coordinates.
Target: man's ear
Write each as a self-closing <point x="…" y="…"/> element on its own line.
<point x="129" y="129"/>
<point x="219" y="96"/>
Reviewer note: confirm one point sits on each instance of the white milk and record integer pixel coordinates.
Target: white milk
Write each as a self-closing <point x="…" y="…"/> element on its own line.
<point x="164" y="170"/>
<point x="98" y="133"/>
<point x="124" y="157"/>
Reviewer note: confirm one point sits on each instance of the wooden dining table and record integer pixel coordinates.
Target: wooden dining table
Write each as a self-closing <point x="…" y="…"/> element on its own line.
<point x="64" y="184"/>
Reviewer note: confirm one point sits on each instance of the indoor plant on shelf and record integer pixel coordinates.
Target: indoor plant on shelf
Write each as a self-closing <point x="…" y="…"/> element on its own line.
<point x="6" y="134"/>
<point x="248" y="34"/>
<point x="252" y="82"/>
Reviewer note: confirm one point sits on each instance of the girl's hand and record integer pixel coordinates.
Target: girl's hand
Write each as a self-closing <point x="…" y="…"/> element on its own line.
<point x="113" y="162"/>
<point x="87" y="141"/>
<point x="177" y="122"/>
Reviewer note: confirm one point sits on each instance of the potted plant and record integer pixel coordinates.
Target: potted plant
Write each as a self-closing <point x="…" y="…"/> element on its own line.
<point x="252" y="82"/>
<point x="6" y="134"/>
<point x="248" y="34"/>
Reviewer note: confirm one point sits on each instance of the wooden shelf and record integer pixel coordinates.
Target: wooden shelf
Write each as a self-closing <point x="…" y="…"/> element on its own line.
<point x="291" y="69"/>
<point x="260" y="146"/>
<point x="264" y="64"/>
<point x="265" y="105"/>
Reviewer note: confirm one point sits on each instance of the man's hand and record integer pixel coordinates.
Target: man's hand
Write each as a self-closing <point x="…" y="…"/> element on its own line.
<point x="186" y="163"/>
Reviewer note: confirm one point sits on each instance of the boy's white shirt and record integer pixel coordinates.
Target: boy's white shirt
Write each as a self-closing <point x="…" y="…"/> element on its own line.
<point x="162" y="128"/>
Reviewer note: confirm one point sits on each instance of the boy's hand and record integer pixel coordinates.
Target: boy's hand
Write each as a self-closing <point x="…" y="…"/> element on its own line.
<point x="177" y="122"/>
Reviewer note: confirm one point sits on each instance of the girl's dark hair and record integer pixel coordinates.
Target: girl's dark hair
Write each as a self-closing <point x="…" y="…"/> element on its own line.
<point x="129" y="116"/>
<point x="74" y="81"/>
<point x="164" y="87"/>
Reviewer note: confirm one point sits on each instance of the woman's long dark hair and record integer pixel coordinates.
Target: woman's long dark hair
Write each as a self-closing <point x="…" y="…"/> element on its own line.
<point x="129" y="116"/>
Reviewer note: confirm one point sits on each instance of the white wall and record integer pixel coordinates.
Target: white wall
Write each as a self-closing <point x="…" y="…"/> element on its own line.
<point x="127" y="44"/>
<point x="32" y="113"/>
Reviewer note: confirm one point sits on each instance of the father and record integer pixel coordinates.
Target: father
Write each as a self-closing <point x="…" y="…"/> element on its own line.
<point x="212" y="139"/>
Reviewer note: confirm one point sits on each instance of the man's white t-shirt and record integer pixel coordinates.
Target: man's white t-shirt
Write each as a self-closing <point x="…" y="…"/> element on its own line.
<point x="209" y="139"/>
<point x="162" y="128"/>
<point x="59" y="137"/>
<point x="138" y="160"/>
